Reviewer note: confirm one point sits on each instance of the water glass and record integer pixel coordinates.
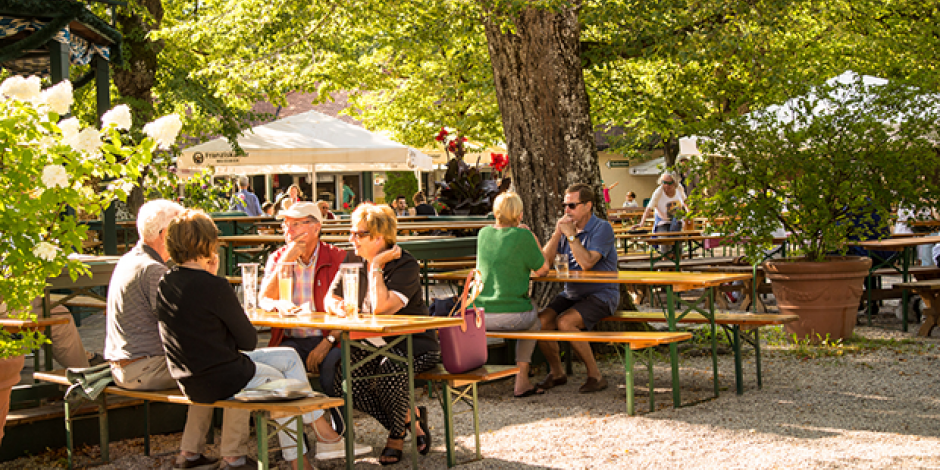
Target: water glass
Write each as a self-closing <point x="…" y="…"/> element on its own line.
<point x="250" y="287"/>
<point x="285" y="281"/>
<point x="561" y="264"/>
<point x="350" y="273"/>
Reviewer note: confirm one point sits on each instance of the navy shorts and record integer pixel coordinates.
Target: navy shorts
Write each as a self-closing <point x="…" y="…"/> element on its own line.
<point x="591" y="308"/>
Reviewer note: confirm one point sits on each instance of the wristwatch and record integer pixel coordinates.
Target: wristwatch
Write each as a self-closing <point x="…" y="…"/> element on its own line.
<point x="331" y="339"/>
<point x="572" y="238"/>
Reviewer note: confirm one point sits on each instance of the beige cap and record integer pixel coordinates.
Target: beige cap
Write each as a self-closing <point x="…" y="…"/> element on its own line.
<point x="300" y="210"/>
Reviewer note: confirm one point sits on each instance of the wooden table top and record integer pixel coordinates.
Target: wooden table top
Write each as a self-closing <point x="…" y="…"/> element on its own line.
<point x="932" y="284"/>
<point x="681" y="281"/>
<point x="15" y="325"/>
<point x="383" y="324"/>
<point x="897" y="244"/>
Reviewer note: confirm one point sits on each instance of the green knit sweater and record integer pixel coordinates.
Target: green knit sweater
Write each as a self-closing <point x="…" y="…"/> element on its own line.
<point x="505" y="257"/>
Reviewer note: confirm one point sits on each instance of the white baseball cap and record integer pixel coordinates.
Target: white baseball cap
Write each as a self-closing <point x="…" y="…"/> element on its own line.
<point x="300" y="210"/>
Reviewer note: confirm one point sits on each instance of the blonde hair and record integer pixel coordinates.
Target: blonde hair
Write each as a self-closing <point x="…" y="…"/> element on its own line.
<point x="380" y="221"/>
<point x="191" y="235"/>
<point x="508" y="209"/>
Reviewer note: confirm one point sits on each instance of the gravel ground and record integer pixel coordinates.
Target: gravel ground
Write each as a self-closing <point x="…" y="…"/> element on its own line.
<point x="872" y="406"/>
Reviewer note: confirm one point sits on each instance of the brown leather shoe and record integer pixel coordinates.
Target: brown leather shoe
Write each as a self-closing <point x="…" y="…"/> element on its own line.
<point x="551" y="382"/>
<point x="593" y="385"/>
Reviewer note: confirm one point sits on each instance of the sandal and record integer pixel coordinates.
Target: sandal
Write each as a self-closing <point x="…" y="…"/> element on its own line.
<point x="391" y="452"/>
<point x="424" y="440"/>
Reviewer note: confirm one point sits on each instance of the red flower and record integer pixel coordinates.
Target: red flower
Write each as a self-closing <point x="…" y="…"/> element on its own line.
<point x="441" y="135"/>
<point x="499" y="161"/>
<point x="452" y="146"/>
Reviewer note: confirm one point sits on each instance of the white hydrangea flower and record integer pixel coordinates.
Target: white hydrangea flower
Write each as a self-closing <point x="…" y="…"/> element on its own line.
<point x="128" y="187"/>
<point x="46" y="251"/>
<point x="55" y="175"/>
<point x="87" y="141"/>
<point x="120" y="117"/>
<point x="23" y="89"/>
<point x="164" y="130"/>
<point x="69" y="128"/>
<point x="59" y="98"/>
<point x="47" y="142"/>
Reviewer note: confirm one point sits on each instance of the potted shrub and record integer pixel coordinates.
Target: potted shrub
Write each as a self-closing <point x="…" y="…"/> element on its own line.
<point x="44" y="167"/>
<point x="827" y="168"/>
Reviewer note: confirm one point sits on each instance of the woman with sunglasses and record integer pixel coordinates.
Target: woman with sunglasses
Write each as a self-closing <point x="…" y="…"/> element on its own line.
<point x="665" y="202"/>
<point x="392" y="279"/>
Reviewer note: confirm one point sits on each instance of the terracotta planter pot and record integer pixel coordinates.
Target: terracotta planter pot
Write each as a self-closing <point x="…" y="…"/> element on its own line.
<point x="824" y="295"/>
<point x="9" y="376"/>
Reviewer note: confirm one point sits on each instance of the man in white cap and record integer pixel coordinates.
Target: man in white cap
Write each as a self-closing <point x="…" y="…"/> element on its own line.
<point x="315" y="265"/>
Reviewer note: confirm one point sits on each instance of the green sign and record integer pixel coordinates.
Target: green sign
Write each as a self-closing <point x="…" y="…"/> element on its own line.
<point x="618" y="163"/>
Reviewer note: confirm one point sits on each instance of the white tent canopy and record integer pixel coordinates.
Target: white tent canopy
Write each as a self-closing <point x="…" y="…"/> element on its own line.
<point x="784" y="112"/>
<point x="310" y="142"/>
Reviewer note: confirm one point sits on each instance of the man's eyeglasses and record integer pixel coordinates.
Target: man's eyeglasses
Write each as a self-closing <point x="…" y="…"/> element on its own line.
<point x="669" y="183"/>
<point x="357" y="234"/>
<point x="290" y="225"/>
<point x="571" y="205"/>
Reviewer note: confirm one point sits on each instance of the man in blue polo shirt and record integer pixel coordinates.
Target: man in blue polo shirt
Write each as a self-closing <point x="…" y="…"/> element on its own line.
<point x="589" y="244"/>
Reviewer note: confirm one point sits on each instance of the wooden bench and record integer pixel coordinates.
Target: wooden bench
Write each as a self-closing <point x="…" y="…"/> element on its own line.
<point x="929" y="291"/>
<point x="627" y="341"/>
<point x="738" y="325"/>
<point x="750" y="288"/>
<point x="463" y="388"/>
<point x="260" y="411"/>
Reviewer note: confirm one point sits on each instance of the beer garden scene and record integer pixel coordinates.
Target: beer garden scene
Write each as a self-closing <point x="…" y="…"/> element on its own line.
<point x="469" y="233"/>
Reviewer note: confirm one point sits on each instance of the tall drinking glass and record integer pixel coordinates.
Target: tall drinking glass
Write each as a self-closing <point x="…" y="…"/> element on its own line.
<point x="250" y="287"/>
<point x="350" y="273"/>
<point x="561" y="264"/>
<point x="285" y="281"/>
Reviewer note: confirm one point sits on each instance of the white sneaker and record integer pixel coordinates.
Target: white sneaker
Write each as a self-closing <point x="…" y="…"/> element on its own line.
<point x="337" y="450"/>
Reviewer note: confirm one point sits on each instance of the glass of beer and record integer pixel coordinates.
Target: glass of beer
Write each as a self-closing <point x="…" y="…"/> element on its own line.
<point x="285" y="281"/>
<point x="350" y="273"/>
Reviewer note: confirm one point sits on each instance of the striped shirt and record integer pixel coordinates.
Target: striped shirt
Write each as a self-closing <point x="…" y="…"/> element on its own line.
<point x="131" y="330"/>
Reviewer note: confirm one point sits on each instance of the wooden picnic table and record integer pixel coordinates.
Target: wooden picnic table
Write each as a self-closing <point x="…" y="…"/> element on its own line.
<point x="403" y="326"/>
<point x="929" y="291"/>
<point x="907" y="246"/>
<point x="672" y="281"/>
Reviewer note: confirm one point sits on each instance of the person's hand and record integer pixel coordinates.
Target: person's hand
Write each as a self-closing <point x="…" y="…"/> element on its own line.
<point x="214" y="263"/>
<point x="384" y="257"/>
<point x="566" y="226"/>
<point x="296" y="247"/>
<point x="315" y="358"/>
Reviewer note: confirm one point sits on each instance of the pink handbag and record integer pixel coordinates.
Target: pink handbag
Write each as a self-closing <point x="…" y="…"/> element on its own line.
<point x="463" y="347"/>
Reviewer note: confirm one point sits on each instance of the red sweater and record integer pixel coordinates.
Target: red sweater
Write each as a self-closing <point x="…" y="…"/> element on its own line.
<point x="328" y="260"/>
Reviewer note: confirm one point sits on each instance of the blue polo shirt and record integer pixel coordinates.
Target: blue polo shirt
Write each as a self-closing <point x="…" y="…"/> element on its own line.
<point x="597" y="236"/>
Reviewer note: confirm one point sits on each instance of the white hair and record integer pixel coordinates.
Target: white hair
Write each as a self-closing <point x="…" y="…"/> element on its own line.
<point x="243" y="181"/>
<point x="665" y="174"/>
<point x="154" y="216"/>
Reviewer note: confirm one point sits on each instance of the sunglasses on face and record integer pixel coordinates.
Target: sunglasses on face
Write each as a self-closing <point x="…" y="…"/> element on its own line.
<point x="669" y="183"/>
<point x="571" y="205"/>
<point x="359" y="235"/>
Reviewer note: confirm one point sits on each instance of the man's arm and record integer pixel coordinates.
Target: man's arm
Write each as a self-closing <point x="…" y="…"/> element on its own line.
<point x="550" y="249"/>
<point x="585" y="258"/>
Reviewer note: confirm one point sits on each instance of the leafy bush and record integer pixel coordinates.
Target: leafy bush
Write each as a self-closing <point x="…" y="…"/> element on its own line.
<point x="817" y="163"/>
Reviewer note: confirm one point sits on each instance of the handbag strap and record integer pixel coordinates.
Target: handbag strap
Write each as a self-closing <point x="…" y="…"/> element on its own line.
<point x="472" y="287"/>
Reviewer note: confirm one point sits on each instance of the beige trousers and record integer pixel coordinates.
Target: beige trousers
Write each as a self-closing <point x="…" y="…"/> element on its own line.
<point x="151" y="374"/>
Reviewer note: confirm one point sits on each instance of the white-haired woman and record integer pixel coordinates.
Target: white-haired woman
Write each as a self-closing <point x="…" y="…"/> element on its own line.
<point x="507" y="253"/>
<point x="665" y="202"/>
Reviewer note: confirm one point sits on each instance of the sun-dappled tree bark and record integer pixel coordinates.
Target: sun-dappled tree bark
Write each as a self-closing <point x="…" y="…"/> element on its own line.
<point x="545" y="110"/>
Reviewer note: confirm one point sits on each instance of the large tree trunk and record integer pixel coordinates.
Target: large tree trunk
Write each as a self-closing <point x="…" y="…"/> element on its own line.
<point x="545" y="111"/>
<point x="136" y="78"/>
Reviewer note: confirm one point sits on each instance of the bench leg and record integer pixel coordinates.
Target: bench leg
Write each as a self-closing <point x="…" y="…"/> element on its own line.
<point x="736" y="347"/>
<point x="673" y="349"/>
<point x="147" y="428"/>
<point x="450" y="396"/>
<point x="930" y="313"/>
<point x="628" y="377"/>
<point x="103" y="439"/>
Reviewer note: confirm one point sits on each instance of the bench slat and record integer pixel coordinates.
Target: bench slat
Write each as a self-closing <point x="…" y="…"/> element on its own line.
<point x="636" y="339"/>
<point x="176" y="396"/>
<point x="746" y="319"/>
<point x="480" y="374"/>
